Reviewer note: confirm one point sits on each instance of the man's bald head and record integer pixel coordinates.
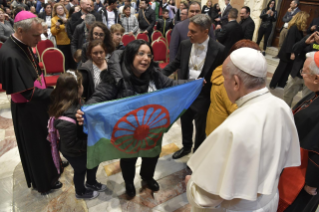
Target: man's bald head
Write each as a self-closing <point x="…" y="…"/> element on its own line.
<point x="86" y="6"/>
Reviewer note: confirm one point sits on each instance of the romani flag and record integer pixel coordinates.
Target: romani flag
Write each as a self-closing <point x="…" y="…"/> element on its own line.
<point x="134" y="126"/>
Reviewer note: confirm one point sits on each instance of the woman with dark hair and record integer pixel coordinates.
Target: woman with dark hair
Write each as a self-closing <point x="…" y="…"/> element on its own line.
<point x="268" y="15"/>
<point x="92" y="68"/>
<point x="215" y="14"/>
<point x="46" y="15"/>
<point x="73" y="9"/>
<point x="132" y="72"/>
<point x="98" y="31"/>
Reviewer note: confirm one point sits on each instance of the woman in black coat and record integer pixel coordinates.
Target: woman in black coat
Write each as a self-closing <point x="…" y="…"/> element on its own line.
<point x="132" y="72"/>
<point x="268" y="15"/>
<point x="215" y="14"/>
<point x="286" y="55"/>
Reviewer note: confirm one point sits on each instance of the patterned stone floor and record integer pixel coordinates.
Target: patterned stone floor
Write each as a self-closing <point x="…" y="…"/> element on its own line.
<point x="15" y="196"/>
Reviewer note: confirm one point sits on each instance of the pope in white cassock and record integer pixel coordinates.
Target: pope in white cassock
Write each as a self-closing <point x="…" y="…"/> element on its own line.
<point x="237" y="167"/>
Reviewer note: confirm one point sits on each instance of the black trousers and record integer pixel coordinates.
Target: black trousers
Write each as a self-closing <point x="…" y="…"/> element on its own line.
<point x="69" y="62"/>
<point x="187" y="127"/>
<point x="147" y="168"/>
<point x="264" y="32"/>
<point x="79" y="166"/>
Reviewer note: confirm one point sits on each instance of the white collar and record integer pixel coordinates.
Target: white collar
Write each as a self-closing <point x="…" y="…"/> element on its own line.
<point x="71" y="4"/>
<point x="242" y="100"/>
<point x="205" y="43"/>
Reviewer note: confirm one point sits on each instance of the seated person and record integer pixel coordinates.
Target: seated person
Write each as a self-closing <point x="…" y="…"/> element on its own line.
<point x="117" y="32"/>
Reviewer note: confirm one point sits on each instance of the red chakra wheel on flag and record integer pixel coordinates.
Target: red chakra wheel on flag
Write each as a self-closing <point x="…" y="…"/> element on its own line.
<point x="140" y="129"/>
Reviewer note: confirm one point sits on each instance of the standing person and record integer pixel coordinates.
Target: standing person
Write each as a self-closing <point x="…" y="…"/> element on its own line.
<point x="128" y="4"/>
<point x="68" y="24"/>
<point x="71" y="4"/>
<point x="215" y="14"/>
<point x="146" y="18"/>
<point x="58" y="29"/>
<point x="46" y="15"/>
<point x="296" y="26"/>
<point x="166" y="6"/>
<point x="98" y="31"/>
<point x="247" y="24"/>
<point x="292" y="11"/>
<point x="129" y="21"/>
<point x="298" y="186"/>
<point x="295" y="81"/>
<point x="231" y="32"/>
<point x="238" y="166"/>
<point x="110" y="14"/>
<point x="135" y="78"/>
<point x="156" y="7"/>
<point x="224" y="13"/>
<point x="182" y="5"/>
<point x="39" y="6"/>
<point x="207" y="8"/>
<point x="268" y="15"/>
<point x="164" y="24"/>
<point x="192" y="64"/>
<point x="66" y="100"/>
<point x="180" y="30"/>
<point x="6" y="28"/>
<point x="22" y="77"/>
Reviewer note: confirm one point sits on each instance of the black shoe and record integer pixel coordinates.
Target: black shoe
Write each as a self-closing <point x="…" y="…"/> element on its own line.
<point x="57" y="185"/>
<point x="264" y="53"/>
<point x="88" y="194"/>
<point x="130" y="189"/>
<point x="96" y="187"/>
<point x="275" y="57"/>
<point x="151" y="184"/>
<point x="65" y="163"/>
<point x="181" y="153"/>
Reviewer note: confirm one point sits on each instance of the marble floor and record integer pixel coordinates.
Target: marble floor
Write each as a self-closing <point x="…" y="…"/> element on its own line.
<point x="170" y="174"/>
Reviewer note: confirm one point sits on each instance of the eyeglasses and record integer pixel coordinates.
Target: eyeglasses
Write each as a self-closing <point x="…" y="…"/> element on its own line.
<point x="194" y="11"/>
<point x="98" y="34"/>
<point x="141" y="54"/>
<point x="302" y="72"/>
<point x="60" y="8"/>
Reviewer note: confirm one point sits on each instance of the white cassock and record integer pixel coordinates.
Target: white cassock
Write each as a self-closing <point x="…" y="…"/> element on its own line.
<point x="237" y="167"/>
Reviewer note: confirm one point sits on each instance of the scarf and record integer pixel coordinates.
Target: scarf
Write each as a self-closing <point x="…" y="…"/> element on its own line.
<point x="141" y="84"/>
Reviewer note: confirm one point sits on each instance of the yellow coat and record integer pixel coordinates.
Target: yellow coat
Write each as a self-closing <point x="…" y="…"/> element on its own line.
<point x="61" y="36"/>
<point x="220" y="106"/>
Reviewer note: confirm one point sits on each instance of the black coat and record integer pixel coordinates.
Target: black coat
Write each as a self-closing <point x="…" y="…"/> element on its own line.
<point x="288" y="16"/>
<point x="160" y="25"/>
<point x="315" y="21"/>
<point x="214" y="14"/>
<point x="103" y="12"/>
<point x="115" y="83"/>
<point x="78" y="38"/>
<point x="87" y="81"/>
<point x="248" y="26"/>
<point x="215" y="57"/>
<point x="267" y="20"/>
<point x="76" y="19"/>
<point x="224" y="15"/>
<point x="73" y="141"/>
<point x="150" y="16"/>
<point x="229" y="34"/>
<point x="43" y="16"/>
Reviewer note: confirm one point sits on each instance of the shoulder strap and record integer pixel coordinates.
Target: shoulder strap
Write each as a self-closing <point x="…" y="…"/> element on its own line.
<point x="65" y="118"/>
<point x="145" y="17"/>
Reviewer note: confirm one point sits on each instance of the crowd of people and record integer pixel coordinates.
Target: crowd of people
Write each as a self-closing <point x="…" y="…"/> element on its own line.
<point x="251" y="152"/>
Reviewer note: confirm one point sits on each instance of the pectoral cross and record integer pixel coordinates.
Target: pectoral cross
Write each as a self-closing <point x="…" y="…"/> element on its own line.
<point x="39" y="79"/>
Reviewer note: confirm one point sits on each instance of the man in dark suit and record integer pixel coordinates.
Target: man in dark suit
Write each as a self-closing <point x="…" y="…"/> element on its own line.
<point x="71" y="4"/>
<point x="230" y="33"/>
<point x="196" y="58"/>
<point x="180" y="30"/>
<point x="224" y="14"/>
<point x="86" y="8"/>
<point x="314" y="26"/>
<point x="291" y="12"/>
<point x="110" y="15"/>
<point x="247" y="24"/>
<point x="146" y="18"/>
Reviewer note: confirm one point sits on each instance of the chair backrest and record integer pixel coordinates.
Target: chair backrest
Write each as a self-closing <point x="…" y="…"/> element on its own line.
<point x="0" y="45"/>
<point x="159" y="50"/>
<point x="142" y="36"/>
<point x="43" y="45"/>
<point x="126" y="39"/>
<point x="168" y="36"/>
<point x="53" y="61"/>
<point x="155" y="35"/>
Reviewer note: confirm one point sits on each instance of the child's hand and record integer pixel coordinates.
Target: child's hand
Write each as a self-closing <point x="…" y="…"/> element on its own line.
<point x="79" y="117"/>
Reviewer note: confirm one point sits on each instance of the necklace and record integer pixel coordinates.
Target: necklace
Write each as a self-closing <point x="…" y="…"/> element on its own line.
<point x="33" y="62"/>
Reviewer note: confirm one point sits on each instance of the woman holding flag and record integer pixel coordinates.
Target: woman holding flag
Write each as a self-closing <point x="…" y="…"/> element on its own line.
<point x="128" y="76"/>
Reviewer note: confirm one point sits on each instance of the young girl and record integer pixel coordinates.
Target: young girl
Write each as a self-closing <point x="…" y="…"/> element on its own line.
<point x="66" y="99"/>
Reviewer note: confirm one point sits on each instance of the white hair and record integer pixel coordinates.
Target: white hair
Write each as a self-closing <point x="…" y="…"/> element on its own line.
<point x="248" y="80"/>
<point x="27" y="24"/>
<point x="312" y="66"/>
<point x="44" y="24"/>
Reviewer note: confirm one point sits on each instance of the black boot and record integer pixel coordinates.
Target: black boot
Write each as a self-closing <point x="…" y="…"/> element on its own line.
<point x="151" y="184"/>
<point x="181" y="153"/>
<point x="130" y="189"/>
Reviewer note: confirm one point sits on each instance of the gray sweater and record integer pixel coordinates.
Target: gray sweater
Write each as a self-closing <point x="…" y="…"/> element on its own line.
<point x="6" y="30"/>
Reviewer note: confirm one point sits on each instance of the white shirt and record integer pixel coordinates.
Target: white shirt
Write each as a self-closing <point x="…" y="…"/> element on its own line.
<point x="48" y="21"/>
<point x="241" y="160"/>
<point x="110" y="18"/>
<point x="197" y="58"/>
